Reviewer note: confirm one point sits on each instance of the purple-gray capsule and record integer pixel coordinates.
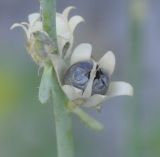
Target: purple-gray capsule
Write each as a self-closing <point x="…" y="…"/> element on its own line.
<point x="78" y="75"/>
<point x="100" y="83"/>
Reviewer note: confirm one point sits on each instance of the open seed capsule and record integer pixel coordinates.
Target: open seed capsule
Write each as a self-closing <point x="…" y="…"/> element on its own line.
<point x="78" y="75"/>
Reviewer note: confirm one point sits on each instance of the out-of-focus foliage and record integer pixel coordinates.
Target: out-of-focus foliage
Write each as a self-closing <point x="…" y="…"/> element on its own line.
<point x="10" y="89"/>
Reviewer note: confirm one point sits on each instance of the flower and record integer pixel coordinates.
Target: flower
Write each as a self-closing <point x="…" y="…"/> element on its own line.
<point x="34" y="24"/>
<point x="93" y="76"/>
<point x="65" y="31"/>
<point x="39" y="44"/>
<point x="84" y="81"/>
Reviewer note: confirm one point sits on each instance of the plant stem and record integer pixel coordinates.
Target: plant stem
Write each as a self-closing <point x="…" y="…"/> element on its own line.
<point x="137" y="15"/>
<point x="48" y="14"/>
<point x="62" y="115"/>
<point x="85" y="118"/>
<point x="62" y="121"/>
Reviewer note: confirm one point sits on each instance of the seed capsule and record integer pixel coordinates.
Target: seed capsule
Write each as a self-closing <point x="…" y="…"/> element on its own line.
<point x="78" y="75"/>
<point x="100" y="83"/>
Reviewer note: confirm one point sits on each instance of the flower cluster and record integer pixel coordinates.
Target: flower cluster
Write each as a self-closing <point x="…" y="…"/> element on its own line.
<point x="39" y="44"/>
<point x="85" y="82"/>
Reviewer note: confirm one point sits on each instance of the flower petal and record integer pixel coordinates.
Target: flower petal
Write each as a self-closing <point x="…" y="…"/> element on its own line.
<point x="32" y="18"/>
<point x="95" y="100"/>
<point x="119" y="88"/>
<point x="74" y="21"/>
<point x="72" y="92"/>
<point x="88" y="91"/>
<point x="63" y="29"/>
<point x="107" y="62"/>
<point x="81" y="53"/>
<point x="67" y="53"/>
<point x="37" y="26"/>
<point x="61" y="43"/>
<point x="25" y="24"/>
<point x="59" y="67"/>
<point x="67" y="11"/>
<point x="22" y="26"/>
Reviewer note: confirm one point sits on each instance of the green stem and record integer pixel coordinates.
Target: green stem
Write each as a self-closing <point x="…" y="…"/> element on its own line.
<point x="62" y="116"/>
<point x="48" y="14"/>
<point x="85" y="118"/>
<point x="62" y="121"/>
<point x="137" y="14"/>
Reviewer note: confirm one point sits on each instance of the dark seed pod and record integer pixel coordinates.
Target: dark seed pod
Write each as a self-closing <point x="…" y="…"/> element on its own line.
<point x="78" y="74"/>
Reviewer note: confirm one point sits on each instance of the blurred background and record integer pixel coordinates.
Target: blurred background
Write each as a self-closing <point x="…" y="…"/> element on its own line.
<point x="130" y="28"/>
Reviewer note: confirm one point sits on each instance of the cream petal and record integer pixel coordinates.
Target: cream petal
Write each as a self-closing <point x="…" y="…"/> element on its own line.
<point x="107" y="62"/>
<point x="61" y="43"/>
<point x="59" y="67"/>
<point x="74" y="21"/>
<point x="72" y="92"/>
<point x="69" y="51"/>
<point x="88" y="91"/>
<point x="37" y="26"/>
<point x="33" y="17"/>
<point x="95" y="100"/>
<point x="22" y="26"/>
<point x="65" y="51"/>
<point x="67" y="11"/>
<point x="81" y="53"/>
<point x="63" y="29"/>
<point x="25" y="24"/>
<point x="119" y="88"/>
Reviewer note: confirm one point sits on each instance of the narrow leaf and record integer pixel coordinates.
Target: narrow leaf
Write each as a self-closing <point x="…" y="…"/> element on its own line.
<point x="45" y="85"/>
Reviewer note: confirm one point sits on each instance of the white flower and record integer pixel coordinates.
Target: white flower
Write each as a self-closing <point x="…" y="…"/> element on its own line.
<point x="97" y="87"/>
<point x="87" y="97"/>
<point x="34" y="24"/>
<point x="65" y="30"/>
<point x="39" y="44"/>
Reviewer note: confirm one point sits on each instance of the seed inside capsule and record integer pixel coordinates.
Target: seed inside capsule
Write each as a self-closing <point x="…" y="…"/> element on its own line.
<point x="78" y="75"/>
<point x="100" y="83"/>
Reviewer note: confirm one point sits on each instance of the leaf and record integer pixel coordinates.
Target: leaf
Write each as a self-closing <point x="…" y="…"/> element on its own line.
<point x="45" y="85"/>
